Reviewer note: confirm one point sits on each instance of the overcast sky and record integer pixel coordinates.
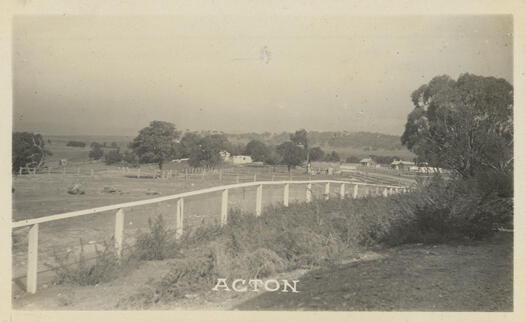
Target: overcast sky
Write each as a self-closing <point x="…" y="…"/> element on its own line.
<point x="113" y="75"/>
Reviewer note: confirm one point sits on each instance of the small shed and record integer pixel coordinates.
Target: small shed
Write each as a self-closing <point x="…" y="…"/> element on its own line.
<point x="401" y="165"/>
<point x="241" y="159"/>
<point x="367" y="162"/>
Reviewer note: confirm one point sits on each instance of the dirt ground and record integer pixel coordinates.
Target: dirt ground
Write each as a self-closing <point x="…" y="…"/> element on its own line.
<point x="472" y="277"/>
<point x="461" y="277"/>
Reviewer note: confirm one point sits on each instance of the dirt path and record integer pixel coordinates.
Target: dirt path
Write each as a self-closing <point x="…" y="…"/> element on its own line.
<point x="475" y="277"/>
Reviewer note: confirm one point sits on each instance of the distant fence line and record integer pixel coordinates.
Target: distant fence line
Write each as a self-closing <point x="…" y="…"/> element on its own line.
<point x="32" y="253"/>
<point x="239" y="174"/>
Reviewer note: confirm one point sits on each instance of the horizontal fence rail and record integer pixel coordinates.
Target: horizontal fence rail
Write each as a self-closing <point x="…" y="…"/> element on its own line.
<point x="31" y="283"/>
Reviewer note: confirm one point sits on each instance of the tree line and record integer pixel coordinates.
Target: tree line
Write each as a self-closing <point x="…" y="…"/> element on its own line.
<point x="161" y="142"/>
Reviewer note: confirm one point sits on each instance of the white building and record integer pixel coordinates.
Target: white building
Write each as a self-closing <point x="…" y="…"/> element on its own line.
<point x="402" y="165"/>
<point x="367" y="162"/>
<point x="241" y="159"/>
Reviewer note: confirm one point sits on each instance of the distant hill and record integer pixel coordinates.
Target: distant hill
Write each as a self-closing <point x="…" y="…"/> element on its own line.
<point x="363" y="140"/>
<point x="358" y="144"/>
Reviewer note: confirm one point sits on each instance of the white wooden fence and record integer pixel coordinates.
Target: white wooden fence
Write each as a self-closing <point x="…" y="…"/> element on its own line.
<point x="32" y="251"/>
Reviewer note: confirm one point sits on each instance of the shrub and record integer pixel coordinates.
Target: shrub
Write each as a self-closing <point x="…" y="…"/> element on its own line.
<point x="78" y="144"/>
<point x="158" y="243"/>
<point x="82" y="271"/>
<point x="131" y="158"/>
<point x="113" y="157"/>
<point x="332" y="157"/>
<point x="28" y="150"/>
<point x="96" y="153"/>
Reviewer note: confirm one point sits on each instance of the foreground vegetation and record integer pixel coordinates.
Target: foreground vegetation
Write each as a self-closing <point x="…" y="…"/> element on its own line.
<point x="299" y="236"/>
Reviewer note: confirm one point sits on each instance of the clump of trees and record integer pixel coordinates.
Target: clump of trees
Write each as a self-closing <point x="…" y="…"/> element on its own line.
<point x="332" y="157"/>
<point x="352" y="159"/>
<point x="291" y="154"/>
<point x="78" y="144"/>
<point x="156" y="143"/>
<point x="96" y="152"/>
<point x="465" y="125"/>
<point x="257" y="150"/>
<point x="316" y="154"/>
<point x="28" y="150"/>
<point x="113" y="156"/>
<point x="206" y="153"/>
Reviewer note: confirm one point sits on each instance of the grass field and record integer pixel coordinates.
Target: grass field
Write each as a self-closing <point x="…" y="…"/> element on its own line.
<point x="46" y="194"/>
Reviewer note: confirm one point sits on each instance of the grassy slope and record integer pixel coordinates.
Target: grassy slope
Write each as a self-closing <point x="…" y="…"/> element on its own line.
<point x="471" y="277"/>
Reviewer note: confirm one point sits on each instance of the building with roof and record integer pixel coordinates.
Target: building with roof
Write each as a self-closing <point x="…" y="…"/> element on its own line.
<point x="367" y="162"/>
<point x="402" y="165"/>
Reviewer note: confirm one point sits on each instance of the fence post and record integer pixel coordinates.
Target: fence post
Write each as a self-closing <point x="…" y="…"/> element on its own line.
<point x="385" y="192"/>
<point x="119" y="231"/>
<point x="32" y="259"/>
<point x="309" y="192"/>
<point x="224" y="207"/>
<point x="342" y="191"/>
<point x="258" y="201"/>
<point x="179" y="219"/>
<point x="391" y="191"/>
<point x="286" y="195"/>
<point x="327" y="191"/>
<point x="356" y="189"/>
<point x="20" y="171"/>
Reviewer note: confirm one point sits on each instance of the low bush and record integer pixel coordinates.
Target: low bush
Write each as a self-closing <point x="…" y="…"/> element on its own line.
<point x="103" y="266"/>
<point x="96" y="153"/>
<point x="449" y="210"/>
<point x="156" y="244"/>
<point x="77" y="144"/>
<point x="112" y="157"/>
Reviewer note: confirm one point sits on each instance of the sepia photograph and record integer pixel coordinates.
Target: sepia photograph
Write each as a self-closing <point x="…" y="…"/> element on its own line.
<point x="246" y="162"/>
